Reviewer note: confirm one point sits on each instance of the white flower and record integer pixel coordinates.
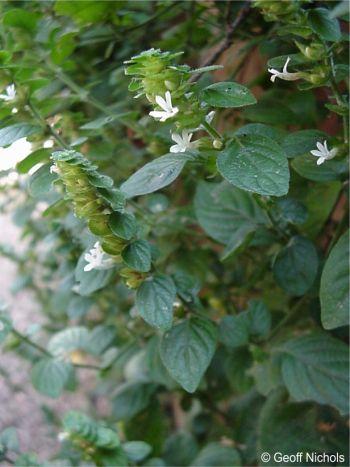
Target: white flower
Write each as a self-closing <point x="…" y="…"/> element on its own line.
<point x="284" y="74"/>
<point x="62" y="436"/>
<point x="54" y="169"/>
<point x="167" y="106"/>
<point x="2" y="326"/>
<point x="183" y="141"/>
<point x="97" y="259"/>
<point x="10" y="93"/>
<point x="210" y="116"/>
<point x="323" y="153"/>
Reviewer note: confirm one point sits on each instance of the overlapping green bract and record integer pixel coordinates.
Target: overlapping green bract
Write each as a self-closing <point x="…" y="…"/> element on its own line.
<point x="95" y="199"/>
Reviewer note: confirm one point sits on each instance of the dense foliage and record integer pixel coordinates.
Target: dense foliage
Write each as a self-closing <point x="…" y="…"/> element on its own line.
<point x="184" y="209"/>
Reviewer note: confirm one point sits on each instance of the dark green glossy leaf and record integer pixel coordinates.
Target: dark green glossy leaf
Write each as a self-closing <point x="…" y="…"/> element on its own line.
<point x="324" y="25"/>
<point x="154" y="175"/>
<point x="12" y="133"/>
<point x="315" y="367"/>
<point x="49" y="376"/>
<point x="187" y="350"/>
<point x="255" y="163"/>
<point x="334" y="291"/>
<point x="123" y="225"/>
<point x="154" y="300"/>
<point x="227" y="94"/>
<point x="137" y="255"/>
<point x="295" y="267"/>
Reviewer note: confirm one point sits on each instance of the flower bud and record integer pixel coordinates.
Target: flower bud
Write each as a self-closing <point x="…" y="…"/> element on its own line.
<point x="217" y="144"/>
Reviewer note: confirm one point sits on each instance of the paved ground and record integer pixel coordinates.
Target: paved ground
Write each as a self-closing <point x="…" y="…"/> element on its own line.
<point x="22" y="407"/>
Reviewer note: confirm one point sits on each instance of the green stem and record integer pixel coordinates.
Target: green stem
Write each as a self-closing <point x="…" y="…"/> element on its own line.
<point x="273" y="223"/>
<point x="33" y="344"/>
<point x="82" y="93"/>
<point x="337" y="96"/>
<point x="46" y="126"/>
<point x="211" y="130"/>
<point x="45" y="352"/>
<point x="289" y="317"/>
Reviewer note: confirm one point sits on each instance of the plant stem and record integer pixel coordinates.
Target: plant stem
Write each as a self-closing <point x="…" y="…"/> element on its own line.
<point x="211" y="130"/>
<point x="33" y="344"/>
<point x="337" y="96"/>
<point x="42" y="350"/>
<point x="45" y="125"/>
<point x="231" y="29"/>
<point x="292" y="314"/>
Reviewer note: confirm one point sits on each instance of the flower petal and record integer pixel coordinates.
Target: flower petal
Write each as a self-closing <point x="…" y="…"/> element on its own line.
<point x="161" y="102"/>
<point x="316" y="153"/>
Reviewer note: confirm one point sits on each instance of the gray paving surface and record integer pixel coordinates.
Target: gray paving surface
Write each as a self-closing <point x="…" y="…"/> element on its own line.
<point x="22" y="407"/>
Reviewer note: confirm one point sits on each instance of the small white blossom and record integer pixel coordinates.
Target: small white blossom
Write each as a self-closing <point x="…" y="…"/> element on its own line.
<point x="10" y="93"/>
<point x="183" y="141"/>
<point x="49" y="143"/>
<point x="323" y="153"/>
<point x="97" y="259"/>
<point x="62" y="436"/>
<point x="54" y="169"/>
<point x="210" y="116"/>
<point x="284" y="74"/>
<point x="167" y="106"/>
<point x="2" y="326"/>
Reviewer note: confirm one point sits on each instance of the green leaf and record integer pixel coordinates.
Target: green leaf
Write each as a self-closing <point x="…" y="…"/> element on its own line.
<point x="100" y="338"/>
<point x="49" y="376"/>
<point x="154" y="175"/>
<point x="234" y="330"/>
<point x="21" y="18"/>
<point x="215" y="455"/>
<point x="80" y="424"/>
<point x="295" y="59"/>
<point x="224" y="212"/>
<point x="271" y="112"/>
<point x="154" y="300"/>
<point x="34" y="158"/>
<point x="40" y="183"/>
<point x="297" y="423"/>
<point x="187" y="349"/>
<point x="319" y="202"/>
<point x="123" y="225"/>
<point x="131" y="398"/>
<point x="290" y="210"/>
<point x="180" y="449"/>
<point x="85" y="11"/>
<point x="307" y="167"/>
<point x="261" y="129"/>
<point x="295" y="267"/>
<point x="136" y="451"/>
<point x="255" y="164"/>
<point x="106" y="438"/>
<point x="78" y="306"/>
<point x="300" y="142"/>
<point x="68" y="340"/>
<point x="137" y="255"/>
<point x="315" y="367"/>
<point x="9" y="439"/>
<point x="12" y="133"/>
<point x="334" y="291"/>
<point x="323" y="24"/>
<point x="259" y="318"/>
<point x="227" y="94"/>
